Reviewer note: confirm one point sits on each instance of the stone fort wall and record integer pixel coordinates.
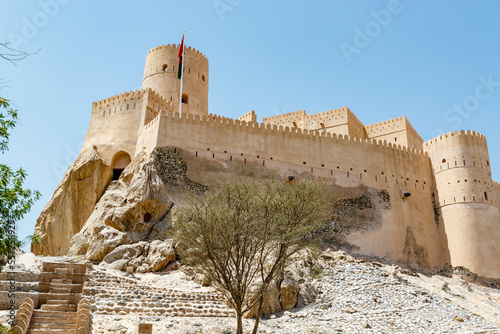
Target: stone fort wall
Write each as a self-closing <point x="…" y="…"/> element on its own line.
<point x="452" y="213"/>
<point x="161" y="75"/>
<point x="117" y="122"/>
<point x="467" y="200"/>
<point x="398" y="131"/>
<point x="346" y="161"/>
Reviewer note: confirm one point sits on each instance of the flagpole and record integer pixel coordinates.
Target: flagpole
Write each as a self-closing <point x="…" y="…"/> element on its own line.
<point x="182" y="71"/>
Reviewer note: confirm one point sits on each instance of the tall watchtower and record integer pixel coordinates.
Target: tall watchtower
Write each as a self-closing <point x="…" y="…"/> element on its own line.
<point x="466" y="201"/>
<point x="161" y="75"/>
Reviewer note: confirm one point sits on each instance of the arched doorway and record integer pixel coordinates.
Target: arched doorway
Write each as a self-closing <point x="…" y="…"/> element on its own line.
<point x="120" y="162"/>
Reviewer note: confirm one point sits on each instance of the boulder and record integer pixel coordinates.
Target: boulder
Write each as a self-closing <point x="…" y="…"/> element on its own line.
<point x="160" y="254"/>
<point x="72" y="203"/>
<point x="134" y="208"/>
<point x="104" y="241"/>
<point x="142" y="256"/>
<point x="289" y="294"/>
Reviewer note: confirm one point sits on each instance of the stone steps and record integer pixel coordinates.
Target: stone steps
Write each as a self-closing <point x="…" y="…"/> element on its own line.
<point x="57" y="302"/>
<point x="112" y="295"/>
<point x="43" y="320"/>
<point x="53" y="314"/>
<point x="58" y="307"/>
<point x="49" y="331"/>
<point x="60" y="291"/>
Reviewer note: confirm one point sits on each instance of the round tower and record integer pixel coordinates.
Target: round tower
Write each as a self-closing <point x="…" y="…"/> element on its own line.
<point x="161" y="75"/>
<point x="465" y="199"/>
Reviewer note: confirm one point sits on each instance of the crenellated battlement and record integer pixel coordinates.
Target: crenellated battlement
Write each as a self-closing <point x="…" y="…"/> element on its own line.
<point x="249" y="117"/>
<point x="329" y="113"/>
<point x="468" y="133"/>
<point x="176" y="46"/>
<point x="155" y="101"/>
<point x="238" y="125"/>
<point x="395" y="124"/>
<point x="293" y="114"/>
<point x="119" y="97"/>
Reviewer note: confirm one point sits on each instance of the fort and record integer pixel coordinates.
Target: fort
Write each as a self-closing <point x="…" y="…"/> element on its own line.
<point x="443" y="201"/>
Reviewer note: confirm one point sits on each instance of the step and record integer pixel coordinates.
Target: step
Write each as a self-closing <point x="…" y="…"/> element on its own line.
<point x="64" y="308"/>
<point x="48" y="320"/>
<point x="62" y="280"/>
<point x="53" y="314"/>
<point x="77" y="278"/>
<point x="61" y="296"/>
<point x="52" y="326"/>
<point x="57" y="302"/>
<point x="66" y="267"/>
<point x="60" y="290"/>
<point x="46" y="286"/>
<point x="64" y="270"/>
<point x="50" y="331"/>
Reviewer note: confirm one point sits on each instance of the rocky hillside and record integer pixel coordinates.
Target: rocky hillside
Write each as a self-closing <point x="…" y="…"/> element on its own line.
<point x="352" y="295"/>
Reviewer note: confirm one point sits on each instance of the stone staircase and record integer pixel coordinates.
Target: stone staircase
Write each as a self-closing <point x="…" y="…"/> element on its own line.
<point x="60" y="290"/>
<point x="113" y="295"/>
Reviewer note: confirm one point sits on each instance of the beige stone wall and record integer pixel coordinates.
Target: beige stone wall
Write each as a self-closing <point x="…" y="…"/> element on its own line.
<point x="472" y="233"/>
<point x="249" y="117"/>
<point x="398" y="131"/>
<point x="160" y="74"/>
<point x="462" y="170"/>
<point x="496" y="187"/>
<point x="116" y="122"/>
<point x="408" y="233"/>
<point x="466" y="199"/>
<point x="287" y="119"/>
<point x="340" y="121"/>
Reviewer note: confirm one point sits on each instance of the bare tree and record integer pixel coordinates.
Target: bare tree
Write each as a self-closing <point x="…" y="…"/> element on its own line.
<point x="242" y="236"/>
<point x="12" y="55"/>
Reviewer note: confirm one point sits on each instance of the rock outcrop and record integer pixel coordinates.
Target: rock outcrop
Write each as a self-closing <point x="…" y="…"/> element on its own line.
<point x="142" y="256"/>
<point x="295" y="289"/>
<point x="136" y="208"/>
<point x="72" y="203"/>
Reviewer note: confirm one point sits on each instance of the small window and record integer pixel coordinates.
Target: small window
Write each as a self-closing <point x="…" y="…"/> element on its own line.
<point x="203" y="78"/>
<point x="485" y="195"/>
<point x="444" y="160"/>
<point x="487" y="163"/>
<point x="165" y="67"/>
<point x="185" y="98"/>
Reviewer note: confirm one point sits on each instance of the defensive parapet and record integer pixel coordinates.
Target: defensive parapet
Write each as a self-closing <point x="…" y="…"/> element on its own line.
<point x="161" y="74"/>
<point x="291" y="119"/>
<point x="466" y="200"/>
<point x="339" y="121"/>
<point x="398" y="131"/>
<point x="116" y="122"/>
<point x="249" y="117"/>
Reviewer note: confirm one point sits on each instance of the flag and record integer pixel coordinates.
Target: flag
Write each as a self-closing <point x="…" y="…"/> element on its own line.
<point x="181" y="58"/>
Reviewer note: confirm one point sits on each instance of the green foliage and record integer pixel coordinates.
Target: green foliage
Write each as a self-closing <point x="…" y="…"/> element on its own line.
<point x="15" y="201"/>
<point x="7" y="121"/>
<point x="317" y="272"/>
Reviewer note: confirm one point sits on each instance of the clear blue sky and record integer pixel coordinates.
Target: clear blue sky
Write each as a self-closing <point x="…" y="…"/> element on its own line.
<point x="437" y="62"/>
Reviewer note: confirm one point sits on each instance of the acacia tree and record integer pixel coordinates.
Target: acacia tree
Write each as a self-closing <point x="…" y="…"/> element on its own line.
<point x="15" y="201"/>
<point x="242" y="236"/>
